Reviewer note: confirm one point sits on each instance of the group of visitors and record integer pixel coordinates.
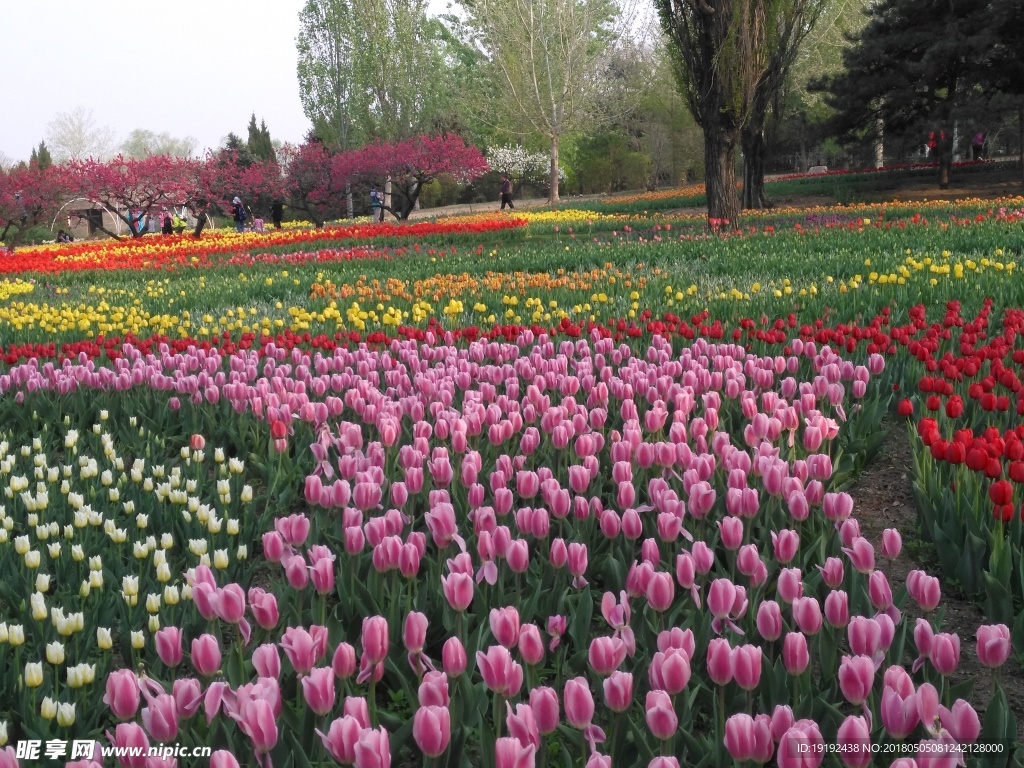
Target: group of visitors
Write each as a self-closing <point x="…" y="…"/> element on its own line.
<point x="938" y="143"/>
<point x="240" y="215"/>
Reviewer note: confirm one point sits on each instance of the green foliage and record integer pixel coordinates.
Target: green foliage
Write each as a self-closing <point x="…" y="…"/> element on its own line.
<point x="609" y="162"/>
<point x="40" y="158"/>
<point x="260" y="146"/>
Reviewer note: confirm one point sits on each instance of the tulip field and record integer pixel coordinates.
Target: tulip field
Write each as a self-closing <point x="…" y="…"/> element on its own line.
<point x="555" y="488"/>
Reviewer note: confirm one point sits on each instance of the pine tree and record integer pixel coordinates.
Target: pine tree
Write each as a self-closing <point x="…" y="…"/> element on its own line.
<point x="43" y="158"/>
<point x="260" y="145"/>
<point x="921" y="63"/>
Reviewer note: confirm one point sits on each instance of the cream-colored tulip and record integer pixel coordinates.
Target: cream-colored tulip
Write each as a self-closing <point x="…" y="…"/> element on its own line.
<point x="55" y="652"/>
<point x="65" y="714"/>
<point x="103" y="639"/>
<point x="48" y="709"/>
<point x="34" y="674"/>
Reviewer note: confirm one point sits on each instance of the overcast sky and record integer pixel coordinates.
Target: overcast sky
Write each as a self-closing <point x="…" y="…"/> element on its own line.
<point x="190" y="67"/>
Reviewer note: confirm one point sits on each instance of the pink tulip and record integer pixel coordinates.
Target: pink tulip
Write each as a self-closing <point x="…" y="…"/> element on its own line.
<point x="499" y="672"/>
<point x="618" y="691"/>
<point x="837" y="506"/>
<point x="769" y="620"/>
<point x="433" y="691"/>
<point x="924" y="589"/>
<point x="318" y="689"/>
<point x="453" y="656"/>
<point x="273" y="546"/>
<point x="375" y="639"/>
<point x="132" y="740"/>
<point x="168" y="645"/>
<point x="344" y="661"/>
<point x="945" y="656"/>
<point x="458" y="590"/>
<point x="961" y="721"/>
<point x="188" y="696"/>
<point x="664" y="762"/>
<point x="521" y="724"/>
<point x="511" y="753"/>
<point x="786" y="544"/>
<point x="432" y="730"/>
<point x="746" y="666"/>
<point x="832" y="572"/>
<point x="267" y="661"/>
<point x="531" y="644"/>
<point x="794" y="653"/>
<point x="122" y="694"/>
<point x="660" y="591"/>
<point x="160" y="717"/>
<point x="504" y="624"/>
<point x="206" y="655"/>
<point x="993" y="645"/>
<point x="414" y="631"/>
<point x="854" y="739"/>
<point x="856" y="678"/>
<point x="670" y="670"/>
<point x="719" y="661"/>
<point x="264" y="608"/>
<point x="661" y="715"/>
<point x="790" y="584"/>
<point x="222" y="758"/>
<point x="340" y="739"/>
<point x="544" y="703"/>
<point x="741" y="736"/>
<point x="577" y="560"/>
<point x="892" y="543"/>
<point x="579" y="703"/>
<point x="899" y="713"/>
<point x="302" y="648"/>
<point x="837" y="609"/>
<point x="373" y="749"/>
<point x="731" y="531"/>
<point x="879" y="591"/>
<point x="865" y="636"/>
<point x="296" y="572"/>
<point x="258" y="722"/>
<point x="801" y="746"/>
<point x="518" y="556"/>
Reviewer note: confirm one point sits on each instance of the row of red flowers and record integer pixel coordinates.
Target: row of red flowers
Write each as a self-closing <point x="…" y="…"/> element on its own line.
<point x="184" y="250"/>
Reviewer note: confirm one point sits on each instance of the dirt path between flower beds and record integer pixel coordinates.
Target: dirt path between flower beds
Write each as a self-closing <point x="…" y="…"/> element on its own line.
<point x="883" y="499"/>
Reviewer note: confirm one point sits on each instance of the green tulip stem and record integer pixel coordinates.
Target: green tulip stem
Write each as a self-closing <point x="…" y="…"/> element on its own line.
<point x="497" y="717"/>
<point x="373" y="699"/>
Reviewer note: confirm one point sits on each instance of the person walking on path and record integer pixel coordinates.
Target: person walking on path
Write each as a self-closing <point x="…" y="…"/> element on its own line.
<point x="978" y="146"/>
<point x="506" y="193"/>
<point x="238" y="214"/>
<point x="377" y="204"/>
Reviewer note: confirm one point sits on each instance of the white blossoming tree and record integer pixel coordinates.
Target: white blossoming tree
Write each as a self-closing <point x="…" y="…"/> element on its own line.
<point x="522" y="166"/>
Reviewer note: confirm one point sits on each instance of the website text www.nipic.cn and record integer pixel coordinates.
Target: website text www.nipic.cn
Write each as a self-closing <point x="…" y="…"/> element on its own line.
<point x="55" y="749"/>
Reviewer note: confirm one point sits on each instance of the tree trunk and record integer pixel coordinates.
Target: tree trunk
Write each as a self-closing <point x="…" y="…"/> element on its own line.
<point x="720" y="176"/>
<point x="945" y="150"/>
<point x="1020" y="137"/>
<point x="880" y="144"/>
<point x="350" y="208"/>
<point x="553" y="172"/>
<point x="753" y="169"/>
<point x="387" y="193"/>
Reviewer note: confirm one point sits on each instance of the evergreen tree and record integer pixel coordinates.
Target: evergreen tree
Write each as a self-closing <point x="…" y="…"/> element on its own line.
<point x="924" y="65"/>
<point x="260" y="146"/>
<point x="40" y="157"/>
